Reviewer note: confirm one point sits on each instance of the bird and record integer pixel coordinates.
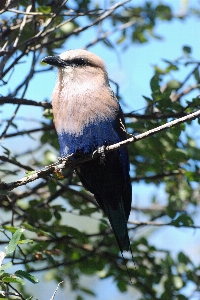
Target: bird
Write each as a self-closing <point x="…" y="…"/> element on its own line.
<point x="87" y="117"/>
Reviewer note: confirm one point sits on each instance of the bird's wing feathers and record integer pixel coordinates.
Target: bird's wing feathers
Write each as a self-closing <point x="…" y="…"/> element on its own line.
<point x="109" y="180"/>
<point x="113" y="194"/>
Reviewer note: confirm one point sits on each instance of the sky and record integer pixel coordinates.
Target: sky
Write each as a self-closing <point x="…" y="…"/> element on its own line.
<point x="132" y="69"/>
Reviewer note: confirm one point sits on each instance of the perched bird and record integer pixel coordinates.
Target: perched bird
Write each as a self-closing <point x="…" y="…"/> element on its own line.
<point x="87" y="116"/>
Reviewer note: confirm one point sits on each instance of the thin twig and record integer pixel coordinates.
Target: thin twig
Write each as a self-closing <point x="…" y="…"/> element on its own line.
<point x="21" y="27"/>
<point x="189" y="117"/>
<point x="56" y="290"/>
<point x="138" y="223"/>
<point x="10" y="100"/>
<point x="46" y="128"/>
<point x="108" y="33"/>
<point x="9" y="122"/>
<point x="28" y="13"/>
<point x="15" y="162"/>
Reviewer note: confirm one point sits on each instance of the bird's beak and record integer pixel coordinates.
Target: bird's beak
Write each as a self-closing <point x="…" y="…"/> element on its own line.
<point x="54" y="61"/>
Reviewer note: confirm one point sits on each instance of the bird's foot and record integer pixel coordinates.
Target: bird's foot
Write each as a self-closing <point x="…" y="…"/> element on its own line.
<point x="101" y="152"/>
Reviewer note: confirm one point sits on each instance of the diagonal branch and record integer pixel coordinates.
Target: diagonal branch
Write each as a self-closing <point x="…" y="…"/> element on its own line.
<point x="64" y="162"/>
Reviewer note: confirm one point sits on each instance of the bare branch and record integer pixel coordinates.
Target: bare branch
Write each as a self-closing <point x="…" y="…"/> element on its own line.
<point x="52" y="298"/>
<point x="9" y="122"/>
<point x="64" y="162"/>
<point x="138" y="223"/>
<point x="10" y="100"/>
<point x="156" y="176"/>
<point x="22" y="27"/>
<point x="15" y="162"/>
<point x="189" y="117"/>
<point x="46" y="128"/>
<point x="175" y="97"/>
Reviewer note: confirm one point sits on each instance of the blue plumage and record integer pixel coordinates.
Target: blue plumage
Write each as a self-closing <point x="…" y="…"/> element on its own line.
<point x="93" y="135"/>
<point x="88" y="116"/>
<point x="108" y="181"/>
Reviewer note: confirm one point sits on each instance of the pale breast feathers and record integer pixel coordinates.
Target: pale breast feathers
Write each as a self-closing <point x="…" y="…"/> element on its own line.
<point x="78" y="101"/>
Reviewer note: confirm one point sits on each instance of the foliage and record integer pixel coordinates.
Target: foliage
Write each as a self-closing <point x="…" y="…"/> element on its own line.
<point x="35" y="228"/>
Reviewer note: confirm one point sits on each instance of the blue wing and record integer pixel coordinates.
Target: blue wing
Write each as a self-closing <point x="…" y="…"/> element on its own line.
<point x="108" y="181"/>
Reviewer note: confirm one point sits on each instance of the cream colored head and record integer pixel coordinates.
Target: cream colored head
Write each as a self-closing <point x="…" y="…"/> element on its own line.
<point x="89" y="57"/>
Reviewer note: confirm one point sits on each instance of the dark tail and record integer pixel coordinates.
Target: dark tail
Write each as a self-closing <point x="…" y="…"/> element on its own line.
<point x="118" y="222"/>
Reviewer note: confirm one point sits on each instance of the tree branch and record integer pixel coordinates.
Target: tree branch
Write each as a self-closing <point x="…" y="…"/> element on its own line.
<point x="10" y="100"/>
<point x="15" y="162"/>
<point x="46" y="128"/>
<point x="138" y="223"/>
<point x="64" y="162"/>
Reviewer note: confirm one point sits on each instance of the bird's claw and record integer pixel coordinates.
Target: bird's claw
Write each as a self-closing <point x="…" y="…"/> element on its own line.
<point x="101" y="152"/>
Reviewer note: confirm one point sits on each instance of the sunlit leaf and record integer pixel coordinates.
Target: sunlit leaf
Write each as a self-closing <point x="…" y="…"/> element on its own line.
<point x="14" y="240"/>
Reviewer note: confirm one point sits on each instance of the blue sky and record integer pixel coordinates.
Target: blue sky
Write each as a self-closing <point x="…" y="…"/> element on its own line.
<point x="133" y="73"/>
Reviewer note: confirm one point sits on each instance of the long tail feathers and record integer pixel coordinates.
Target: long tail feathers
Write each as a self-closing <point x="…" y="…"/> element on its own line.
<point x="119" y="225"/>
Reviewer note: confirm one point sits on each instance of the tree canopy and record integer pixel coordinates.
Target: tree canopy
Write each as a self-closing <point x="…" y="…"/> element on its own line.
<point x="49" y="222"/>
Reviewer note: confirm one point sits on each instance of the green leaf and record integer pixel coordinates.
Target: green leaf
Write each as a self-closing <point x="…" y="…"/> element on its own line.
<point x="5" y="267"/>
<point x="149" y="100"/>
<point x="197" y="74"/>
<point x="68" y="27"/>
<point x="13" y="279"/>
<point x="187" y="50"/>
<point x="181" y="297"/>
<point x="44" y="214"/>
<point x="121" y="39"/>
<point x="155" y="87"/>
<point x="2" y="192"/>
<point x="24" y="2"/>
<point x="30" y="173"/>
<point x="27" y="276"/>
<point x="88" y="211"/>
<point x="122" y="286"/>
<point x="27" y="241"/>
<point x="182" y="220"/>
<point x="50" y="258"/>
<point x="87" y="291"/>
<point x="14" y="241"/>
<point x="177" y="155"/>
<point x="44" y="9"/>
<point x="52" y="184"/>
<point x="173" y="84"/>
<point x="12" y="229"/>
<point x="163" y="12"/>
<point x="36" y="230"/>
<point x="7" y="151"/>
<point x="183" y="258"/>
<point x="75" y="233"/>
<point x="88" y="268"/>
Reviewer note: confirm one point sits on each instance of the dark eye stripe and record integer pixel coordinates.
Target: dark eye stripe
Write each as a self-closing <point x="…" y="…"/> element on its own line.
<point x="77" y="62"/>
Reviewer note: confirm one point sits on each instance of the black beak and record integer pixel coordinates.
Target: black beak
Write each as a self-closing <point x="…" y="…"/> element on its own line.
<point x="54" y="61"/>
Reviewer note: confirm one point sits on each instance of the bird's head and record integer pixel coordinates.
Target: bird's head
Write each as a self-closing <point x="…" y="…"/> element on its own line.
<point x="77" y="61"/>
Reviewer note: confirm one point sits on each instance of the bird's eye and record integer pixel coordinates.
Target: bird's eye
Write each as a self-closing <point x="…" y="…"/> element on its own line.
<point x="76" y="62"/>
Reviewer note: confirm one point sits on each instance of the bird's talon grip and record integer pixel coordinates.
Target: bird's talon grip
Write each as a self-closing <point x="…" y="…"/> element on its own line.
<point x="101" y="152"/>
